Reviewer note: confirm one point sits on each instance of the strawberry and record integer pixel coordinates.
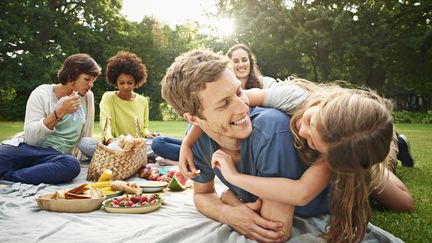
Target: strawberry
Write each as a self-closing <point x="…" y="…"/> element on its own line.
<point x="119" y="199"/>
<point x="153" y="177"/>
<point x="171" y="173"/>
<point x="143" y="199"/>
<point x="144" y="173"/>
<point x="135" y="199"/>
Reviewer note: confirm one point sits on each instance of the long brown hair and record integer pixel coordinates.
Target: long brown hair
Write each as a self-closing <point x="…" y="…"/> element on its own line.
<point x="358" y="128"/>
<point x="253" y="80"/>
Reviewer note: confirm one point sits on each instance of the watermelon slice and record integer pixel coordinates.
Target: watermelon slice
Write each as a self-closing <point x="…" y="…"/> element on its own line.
<point x="178" y="182"/>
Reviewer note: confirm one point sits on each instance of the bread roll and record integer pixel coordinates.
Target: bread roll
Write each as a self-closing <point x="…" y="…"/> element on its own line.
<point x="131" y="188"/>
<point x="129" y="145"/>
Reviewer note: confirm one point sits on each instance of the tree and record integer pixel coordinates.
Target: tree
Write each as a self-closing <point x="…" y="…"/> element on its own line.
<point x="49" y="30"/>
<point x="385" y="45"/>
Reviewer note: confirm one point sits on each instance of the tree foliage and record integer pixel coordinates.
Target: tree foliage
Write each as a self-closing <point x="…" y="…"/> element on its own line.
<point x="385" y="45"/>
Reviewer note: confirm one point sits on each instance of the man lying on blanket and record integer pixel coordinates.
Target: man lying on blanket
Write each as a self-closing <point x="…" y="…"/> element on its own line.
<point x="207" y="94"/>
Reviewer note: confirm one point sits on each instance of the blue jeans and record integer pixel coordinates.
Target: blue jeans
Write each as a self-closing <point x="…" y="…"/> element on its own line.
<point x="166" y="147"/>
<point x="35" y="165"/>
<point x="87" y="146"/>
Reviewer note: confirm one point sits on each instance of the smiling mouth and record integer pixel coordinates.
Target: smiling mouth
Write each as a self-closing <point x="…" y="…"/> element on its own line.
<point x="241" y="122"/>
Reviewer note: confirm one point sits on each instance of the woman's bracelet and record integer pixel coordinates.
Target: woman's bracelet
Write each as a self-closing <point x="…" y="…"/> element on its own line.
<point x="56" y="116"/>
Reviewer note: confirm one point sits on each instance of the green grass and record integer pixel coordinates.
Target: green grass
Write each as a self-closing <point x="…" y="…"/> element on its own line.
<point x="413" y="227"/>
<point x="175" y="129"/>
<point x="410" y="227"/>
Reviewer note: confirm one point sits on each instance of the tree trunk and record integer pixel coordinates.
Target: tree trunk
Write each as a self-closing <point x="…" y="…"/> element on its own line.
<point x="323" y="64"/>
<point x="376" y="76"/>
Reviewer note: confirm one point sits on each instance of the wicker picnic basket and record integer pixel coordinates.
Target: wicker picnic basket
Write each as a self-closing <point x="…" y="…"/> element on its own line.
<point x="123" y="164"/>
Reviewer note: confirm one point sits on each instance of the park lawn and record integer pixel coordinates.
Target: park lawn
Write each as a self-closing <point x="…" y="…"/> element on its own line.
<point x="170" y="128"/>
<point x="413" y="227"/>
<point x="410" y="227"/>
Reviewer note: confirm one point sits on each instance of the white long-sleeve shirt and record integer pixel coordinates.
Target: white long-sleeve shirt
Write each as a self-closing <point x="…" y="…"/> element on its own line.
<point x="41" y="103"/>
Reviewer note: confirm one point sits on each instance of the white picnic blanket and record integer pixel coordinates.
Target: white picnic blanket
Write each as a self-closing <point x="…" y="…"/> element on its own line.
<point x="177" y="220"/>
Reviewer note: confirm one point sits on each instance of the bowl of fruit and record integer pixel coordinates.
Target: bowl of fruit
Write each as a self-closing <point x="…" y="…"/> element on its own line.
<point x="144" y="203"/>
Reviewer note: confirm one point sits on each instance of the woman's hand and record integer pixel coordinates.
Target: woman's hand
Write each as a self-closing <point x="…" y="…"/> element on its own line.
<point x="225" y="164"/>
<point x="152" y="135"/>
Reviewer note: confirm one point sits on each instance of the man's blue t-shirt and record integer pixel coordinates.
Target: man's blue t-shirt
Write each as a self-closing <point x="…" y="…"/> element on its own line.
<point x="267" y="152"/>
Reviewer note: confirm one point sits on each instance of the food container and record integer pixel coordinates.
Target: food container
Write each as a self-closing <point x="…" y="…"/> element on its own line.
<point x="153" y="186"/>
<point x="68" y="205"/>
<point x="133" y="203"/>
<point x="143" y="209"/>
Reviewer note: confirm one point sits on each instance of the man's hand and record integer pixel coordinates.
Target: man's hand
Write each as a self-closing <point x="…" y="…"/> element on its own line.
<point x="246" y="221"/>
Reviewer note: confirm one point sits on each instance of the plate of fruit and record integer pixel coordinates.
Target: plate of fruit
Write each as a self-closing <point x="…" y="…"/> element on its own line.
<point x="133" y="203"/>
<point x="174" y="178"/>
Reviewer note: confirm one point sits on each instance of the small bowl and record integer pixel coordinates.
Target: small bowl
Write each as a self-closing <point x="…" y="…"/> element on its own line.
<point x="68" y="205"/>
<point x="153" y="186"/>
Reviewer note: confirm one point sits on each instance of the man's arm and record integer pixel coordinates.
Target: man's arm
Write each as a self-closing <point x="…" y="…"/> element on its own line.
<point x="242" y="218"/>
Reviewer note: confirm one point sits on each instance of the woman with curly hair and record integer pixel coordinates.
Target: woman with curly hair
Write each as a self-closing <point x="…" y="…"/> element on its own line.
<point x="122" y="107"/>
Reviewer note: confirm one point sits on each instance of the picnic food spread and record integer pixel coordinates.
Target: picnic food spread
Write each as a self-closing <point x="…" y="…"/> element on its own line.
<point x="153" y="186"/>
<point x="133" y="204"/>
<point x="132" y="201"/>
<point x="80" y="192"/>
<point x="178" y="182"/>
<point x="126" y="187"/>
<point x="80" y="199"/>
<point x="109" y="193"/>
<point x="126" y="143"/>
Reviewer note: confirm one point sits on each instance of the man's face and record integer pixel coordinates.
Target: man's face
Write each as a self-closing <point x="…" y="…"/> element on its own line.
<point x="225" y="108"/>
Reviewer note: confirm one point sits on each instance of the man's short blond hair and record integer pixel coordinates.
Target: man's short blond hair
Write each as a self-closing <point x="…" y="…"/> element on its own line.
<point x="187" y="76"/>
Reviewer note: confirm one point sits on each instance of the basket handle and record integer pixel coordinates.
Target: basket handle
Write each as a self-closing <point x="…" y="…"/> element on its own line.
<point x="104" y="130"/>
<point x="138" y="128"/>
<point x="107" y="121"/>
